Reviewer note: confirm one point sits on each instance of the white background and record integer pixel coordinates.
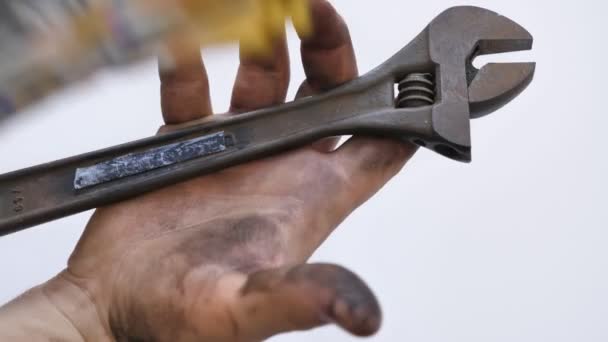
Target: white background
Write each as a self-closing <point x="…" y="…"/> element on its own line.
<point x="510" y="248"/>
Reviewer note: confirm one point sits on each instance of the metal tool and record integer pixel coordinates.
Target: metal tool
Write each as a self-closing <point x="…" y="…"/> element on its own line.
<point x="439" y="91"/>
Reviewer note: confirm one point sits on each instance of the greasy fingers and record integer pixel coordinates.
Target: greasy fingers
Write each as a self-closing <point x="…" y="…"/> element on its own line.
<point x="327" y="55"/>
<point x="184" y="84"/>
<point x="262" y="81"/>
<point x="305" y="297"/>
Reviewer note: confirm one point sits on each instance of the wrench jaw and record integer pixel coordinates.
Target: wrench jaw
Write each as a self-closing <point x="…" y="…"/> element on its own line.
<point x="497" y="84"/>
<point x="456" y="37"/>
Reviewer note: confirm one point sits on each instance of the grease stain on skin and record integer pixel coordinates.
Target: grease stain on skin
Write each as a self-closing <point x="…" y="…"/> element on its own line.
<point x="244" y="244"/>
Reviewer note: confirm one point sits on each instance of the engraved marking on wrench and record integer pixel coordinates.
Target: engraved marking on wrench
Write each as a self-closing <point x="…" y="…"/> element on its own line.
<point x="18" y="200"/>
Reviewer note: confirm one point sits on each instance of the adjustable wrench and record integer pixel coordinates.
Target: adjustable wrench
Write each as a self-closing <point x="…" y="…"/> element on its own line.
<point x="439" y="91"/>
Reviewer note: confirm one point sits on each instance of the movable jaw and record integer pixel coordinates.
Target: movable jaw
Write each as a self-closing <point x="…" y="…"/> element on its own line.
<point x="496" y="84"/>
<point x="456" y="37"/>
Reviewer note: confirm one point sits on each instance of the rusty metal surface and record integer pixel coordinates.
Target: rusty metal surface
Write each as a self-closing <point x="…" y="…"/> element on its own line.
<point x="434" y="114"/>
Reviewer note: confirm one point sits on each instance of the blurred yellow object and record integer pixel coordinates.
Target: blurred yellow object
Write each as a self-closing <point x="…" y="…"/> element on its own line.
<point x="40" y="53"/>
<point x="255" y="23"/>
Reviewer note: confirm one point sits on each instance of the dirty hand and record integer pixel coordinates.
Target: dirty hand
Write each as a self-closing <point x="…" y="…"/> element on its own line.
<point x="223" y="257"/>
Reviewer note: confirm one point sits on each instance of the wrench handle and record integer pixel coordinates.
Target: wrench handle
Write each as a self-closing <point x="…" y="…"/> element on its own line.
<point x="47" y="192"/>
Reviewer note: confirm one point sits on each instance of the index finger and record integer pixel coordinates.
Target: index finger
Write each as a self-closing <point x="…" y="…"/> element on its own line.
<point x="328" y="57"/>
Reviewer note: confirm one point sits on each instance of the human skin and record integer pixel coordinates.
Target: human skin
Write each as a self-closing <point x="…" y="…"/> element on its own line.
<point x="223" y="257"/>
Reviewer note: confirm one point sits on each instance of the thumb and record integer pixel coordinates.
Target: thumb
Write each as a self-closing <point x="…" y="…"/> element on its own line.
<point x="305" y="297"/>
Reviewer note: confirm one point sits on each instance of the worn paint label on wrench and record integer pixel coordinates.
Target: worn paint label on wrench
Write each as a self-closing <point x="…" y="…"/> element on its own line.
<point x="156" y="158"/>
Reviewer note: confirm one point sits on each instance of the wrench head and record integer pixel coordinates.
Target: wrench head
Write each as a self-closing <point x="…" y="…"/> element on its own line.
<point x="456" y="37"/>
<point x="445" y="50"/>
